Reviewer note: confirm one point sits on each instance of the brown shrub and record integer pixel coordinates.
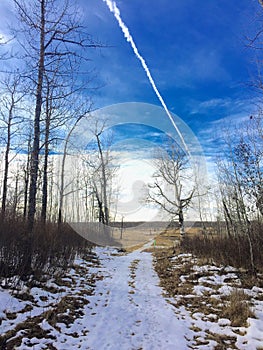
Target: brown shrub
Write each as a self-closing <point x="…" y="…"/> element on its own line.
<point x="50" y="249"/>
<point x="228" y="250"/>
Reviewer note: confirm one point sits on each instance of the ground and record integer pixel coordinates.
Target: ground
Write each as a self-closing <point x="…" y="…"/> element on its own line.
<point x="130" y="301"/>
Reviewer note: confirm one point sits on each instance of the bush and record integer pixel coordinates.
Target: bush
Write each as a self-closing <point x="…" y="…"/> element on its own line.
<point x="50" y="249"/>
<point x="228" y="250"/>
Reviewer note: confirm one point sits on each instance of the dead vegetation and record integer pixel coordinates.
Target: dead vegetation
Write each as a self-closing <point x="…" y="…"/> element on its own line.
<point x="197" y="285"/>
<point x="237" y="308"/>
<point x="50" y="250"/>
<point x="60" y="315"/>
<point x="231" y="250"/>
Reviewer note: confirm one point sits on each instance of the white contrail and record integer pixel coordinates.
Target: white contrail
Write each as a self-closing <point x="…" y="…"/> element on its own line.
<point x="114" y="9"/>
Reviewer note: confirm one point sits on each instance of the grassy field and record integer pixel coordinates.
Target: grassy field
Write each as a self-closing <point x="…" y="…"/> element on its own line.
<point x="133" y="238"/>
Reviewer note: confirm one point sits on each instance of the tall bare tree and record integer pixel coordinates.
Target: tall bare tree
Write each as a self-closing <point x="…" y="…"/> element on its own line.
<point x="241" y="180"/>
<point x="51" y="36"/>
<point x="62" y="185"/>
<point x="172" y="189"/>
<point x="10" y="123"/>
<point x="101" y="169"/>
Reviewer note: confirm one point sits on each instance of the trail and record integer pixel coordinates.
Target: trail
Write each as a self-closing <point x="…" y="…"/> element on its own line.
<point x="112" y="301"/>
<point x="129" y="310"/>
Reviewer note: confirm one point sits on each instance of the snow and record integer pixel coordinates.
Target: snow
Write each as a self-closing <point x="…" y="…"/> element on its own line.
<point x="124" y="308"/>
<point x="137" y="314"/>
<point x="200" y="290"/>
<point x="9" y="303"/>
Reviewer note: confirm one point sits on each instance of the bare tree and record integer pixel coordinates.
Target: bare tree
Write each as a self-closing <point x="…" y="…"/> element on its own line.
<point x="62" y="185"/>
<point x="63" y="108"/>
<point x="172" y="189"/>
<point x="241" y="181"/>
<point x="10" y="123"/>
<point x="51" y="37"/>
<point x="101" y="169"/>
<point x="25" y="169"/>
<point x="104" y="204"/>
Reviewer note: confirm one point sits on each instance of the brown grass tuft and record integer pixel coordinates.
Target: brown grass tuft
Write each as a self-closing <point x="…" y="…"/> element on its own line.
<point x="237" y="308"/>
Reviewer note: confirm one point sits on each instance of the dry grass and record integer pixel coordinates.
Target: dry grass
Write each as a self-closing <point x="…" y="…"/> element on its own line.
<point x="132" y="236"/>
<point x="236" y="308"/>
<point x="49" y="250"/>
<point x="228" y="250"/>
<point x="170" y="277"/>
<point x="135" y="237"/>
<point x="209" y="250"/>
<point x="31" y="329"/>
<point x="178" y="279"/>
<point x="65" y="310"/>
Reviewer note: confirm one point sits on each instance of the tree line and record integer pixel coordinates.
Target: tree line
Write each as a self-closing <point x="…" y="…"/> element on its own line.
<point x="45" y="88"/>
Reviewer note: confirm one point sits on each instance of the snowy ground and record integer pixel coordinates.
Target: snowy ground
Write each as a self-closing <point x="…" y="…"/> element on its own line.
<point x="115" y="302"/>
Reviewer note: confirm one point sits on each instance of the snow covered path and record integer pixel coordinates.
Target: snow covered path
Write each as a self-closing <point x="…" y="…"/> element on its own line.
<point x="128" y="309"/>
<point x="112" y="301"/>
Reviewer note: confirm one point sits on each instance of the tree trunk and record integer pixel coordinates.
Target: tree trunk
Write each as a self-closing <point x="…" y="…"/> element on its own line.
<point x="62" y="178"/>
<point x="181" y="222"/>
<point x="14" y="209"/>
<point x="45" y="168"/>
<point x="6" y="166"/>
<point x="251" y="251"/>
<point x="26" y="179"/>
<point x="104" y="184"/>
<point x="35" y="151"/>
<point x="228" y="218"/>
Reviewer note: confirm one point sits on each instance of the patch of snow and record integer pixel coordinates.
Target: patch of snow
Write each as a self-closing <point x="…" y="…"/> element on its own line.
<point x="200" y="290"/>
<point x="205" y="268"/>
<point x="257" y="290"/>
<point x="224" y="322"/>
<point x="225" y="290"/>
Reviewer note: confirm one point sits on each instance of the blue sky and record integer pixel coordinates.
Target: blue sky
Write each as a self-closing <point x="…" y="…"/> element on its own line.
<point x="195" y="50"/>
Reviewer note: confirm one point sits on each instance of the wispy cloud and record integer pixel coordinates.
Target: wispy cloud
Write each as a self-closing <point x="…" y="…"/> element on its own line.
<point x="213" y="103"/>
<point x="223" y="106"/>
<point x="212" y="135"/>
<point x="221" y="117"/>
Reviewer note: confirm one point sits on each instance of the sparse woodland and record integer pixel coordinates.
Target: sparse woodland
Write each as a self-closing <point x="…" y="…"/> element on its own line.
<point x="44" y="94"/>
